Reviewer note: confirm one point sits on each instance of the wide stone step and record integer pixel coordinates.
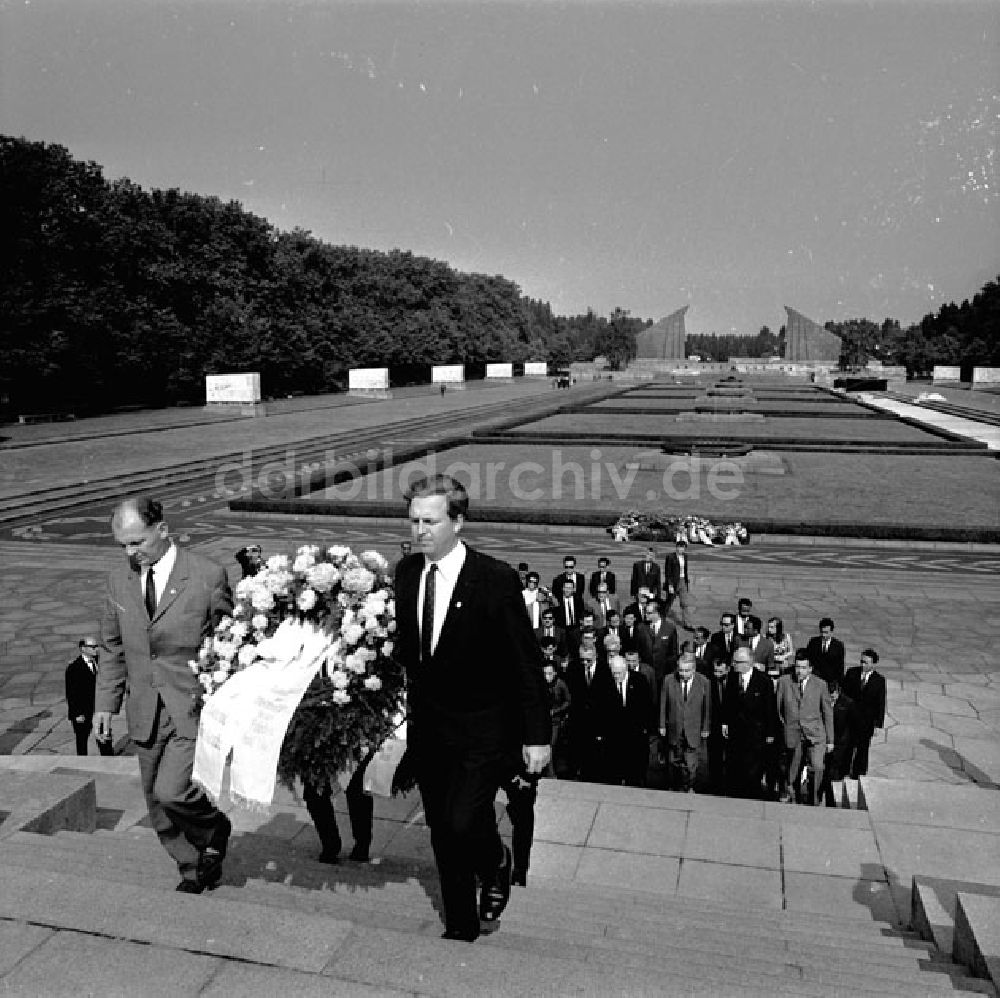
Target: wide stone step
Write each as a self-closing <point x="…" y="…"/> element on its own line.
<point x="555" y="927"/>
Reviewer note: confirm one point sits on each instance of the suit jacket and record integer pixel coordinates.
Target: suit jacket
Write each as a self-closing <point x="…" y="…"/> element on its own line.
<point x="595" y="578"/>
<point x="81" y="684"/>
<point x="150" y="658"/>
<point x="579" y="609"/>
<point x="577" y="578"/>
<point x="639" y="640"/>
<point x="483" y="688"/>
<point x="752" y="716"/>
<point x="600" y="617"/>
<point x="672" y="570"/>
<point x="808" y="715"/>
<point x="763" y="654"/>
<point x="635" y="719"/>
<point x="642" y="577"/>
<point x="689" y="718"/>
<point x="663" y="647"/>
<point x="719" y="651"/>
<point x="829" y="664"/>
<point x="868" y="699"/>
<point x="559" y="634"/>
<point x="541" y="604"/>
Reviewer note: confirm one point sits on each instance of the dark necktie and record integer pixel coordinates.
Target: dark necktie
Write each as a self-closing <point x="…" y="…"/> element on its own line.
<point x="685" y="686"/>
<point x="150" y="594"/>
<point x="427" y="617"/>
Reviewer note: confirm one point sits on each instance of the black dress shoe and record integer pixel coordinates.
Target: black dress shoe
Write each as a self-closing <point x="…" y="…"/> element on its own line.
<point x="330" y="856"/>
<point x="519" y="878"/>
<point x="359" y="854"/>
<point x="495" y="896"/>
<point x="190" y="886"/>
<point x="461" y="935"/>
<point x="210" y="861"/>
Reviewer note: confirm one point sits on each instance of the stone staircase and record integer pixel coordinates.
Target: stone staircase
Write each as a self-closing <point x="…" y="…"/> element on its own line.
<point x="98" y="906"/>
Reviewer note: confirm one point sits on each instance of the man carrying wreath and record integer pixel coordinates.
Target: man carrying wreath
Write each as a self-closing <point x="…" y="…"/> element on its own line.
<point x="478" y="704"/>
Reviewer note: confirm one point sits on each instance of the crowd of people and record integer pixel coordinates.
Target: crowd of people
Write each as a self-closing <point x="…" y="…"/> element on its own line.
<point x="638" y="698"/>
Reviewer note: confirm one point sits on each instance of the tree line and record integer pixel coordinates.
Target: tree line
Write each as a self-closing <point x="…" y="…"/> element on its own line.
<point x="113" y="295"/>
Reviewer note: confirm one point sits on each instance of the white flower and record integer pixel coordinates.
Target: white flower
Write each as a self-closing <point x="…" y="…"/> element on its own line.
<point x="339" y="678"/>
<point x="374" y="561"/>
<point x="259" y="636"/>
<point x="258" y="621"/>
<point x="239" y="630"/>
<point x="246" y="655"/>
<point x="358" y="580"/>
<point x="373" y="683"/>
<point x="224" y="649"/>
<point x="276" y="582"/>
<point x="193" y="666"/>
<point x="224" y="624"/>
<point x="245" y="587"/>
<point x="374" y="606"/>
<point x="220" y="676"/>
<point x="304" y="560"/>
<point x="307" y="600"/>
<point x="340" y="697"/>
<point x="323" y="576"/>
<point x="338" y="552"/>
<point x="206" y="681"/>
<point x="239" y="609"/>
<point x="277" y="563"/>
<point x="356" y="661"/>
<point x="387" y="647"/>
<point x="262" y="600"/>
<point x="352" y="634"/>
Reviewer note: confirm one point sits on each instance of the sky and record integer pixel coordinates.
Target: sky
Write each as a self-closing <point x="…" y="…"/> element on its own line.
<point x="735" y="157"/>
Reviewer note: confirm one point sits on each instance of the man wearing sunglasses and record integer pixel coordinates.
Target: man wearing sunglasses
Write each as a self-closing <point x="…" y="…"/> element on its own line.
<point x="81" y="682"/>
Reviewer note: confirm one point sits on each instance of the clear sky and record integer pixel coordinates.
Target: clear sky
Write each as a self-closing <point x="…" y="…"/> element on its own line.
<point x="839" y="157"/>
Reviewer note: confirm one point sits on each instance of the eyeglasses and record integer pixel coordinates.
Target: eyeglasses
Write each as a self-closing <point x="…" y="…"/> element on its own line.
<point x="89" y="644"/>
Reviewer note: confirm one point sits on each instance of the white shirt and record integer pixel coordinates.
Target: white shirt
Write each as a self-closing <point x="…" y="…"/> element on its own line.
<point x="448" y="568"/>
<point x="533" y="607"/>
<point x="161" y="573"/>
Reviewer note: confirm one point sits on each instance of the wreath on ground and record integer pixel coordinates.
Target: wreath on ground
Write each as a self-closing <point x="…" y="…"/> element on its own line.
<point x="635" y="525"/>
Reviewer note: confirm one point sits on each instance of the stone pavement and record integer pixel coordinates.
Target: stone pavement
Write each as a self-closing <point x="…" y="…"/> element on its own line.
<point x="934" y="632"/>
<point x="983" y="432"/>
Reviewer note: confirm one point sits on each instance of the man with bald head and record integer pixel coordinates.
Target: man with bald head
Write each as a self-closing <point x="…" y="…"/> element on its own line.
<point x="161" y="603"/>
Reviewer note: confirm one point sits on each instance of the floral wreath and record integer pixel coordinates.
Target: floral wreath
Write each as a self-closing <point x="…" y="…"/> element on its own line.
<point x="635" y="525"/>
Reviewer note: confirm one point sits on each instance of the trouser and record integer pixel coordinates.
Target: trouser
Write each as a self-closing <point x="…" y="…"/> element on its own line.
<point x="683" y="596"/>
<point x="683" y="761"/>
<point x="360" y="812"/>
<point x="797" y="757"/>
<point x="521" y="793"/>
<point x="717" y="764"/>
<point x="458" y="789"/>
<point x="82" y="732"/>
<point x="859" y="758"/>
<point x="180" y="813"/>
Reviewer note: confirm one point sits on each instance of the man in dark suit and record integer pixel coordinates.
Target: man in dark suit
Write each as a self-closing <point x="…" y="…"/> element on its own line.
<point x="677" y="581"/>
<point x="662" y="643"/>
<point x="569" y="608"/>
<point x="685" y="721"/>
<point x="569" y="574"/>
<point x="81" y="681"/>
<point x="717" y="782"/>
<point x="826" y="653"/>
<point x="478" y="704"/>
<point x="604" y="605"/>
<point x="605" y="575"/>
<point x="866" y="687"/>
<point x="749" y="724"/>
<point x="161" y="604"/>
<point x="806" y="714"/>
<point x="629" y="718"/>
<point x="550" y="629"/>
<point x="645" y="575"/>
<point x="588" y="681"/>
<point x="744" y="608"/>
<point x="724" y="641"/>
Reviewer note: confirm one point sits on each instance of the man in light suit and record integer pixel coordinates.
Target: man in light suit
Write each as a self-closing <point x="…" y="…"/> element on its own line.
<point x="685" y="720"/>
<point x="806" y="714"/>
<point x="677" y="581"/>
<point x="663" y="644"/>
<point x="604" y="605"/>
<point x="478" y="703"/>
<point x="866" y="687"/>
<point x="161" y="603"/>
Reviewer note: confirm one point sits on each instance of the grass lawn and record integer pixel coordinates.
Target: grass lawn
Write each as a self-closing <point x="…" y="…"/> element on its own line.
<point x="804" y="428"/>
<point x="861" y="488"/>
<point x="816" y="406"/>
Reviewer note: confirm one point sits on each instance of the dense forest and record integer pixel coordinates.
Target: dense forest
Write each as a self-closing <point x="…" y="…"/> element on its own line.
<point x="112" y="295"/>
